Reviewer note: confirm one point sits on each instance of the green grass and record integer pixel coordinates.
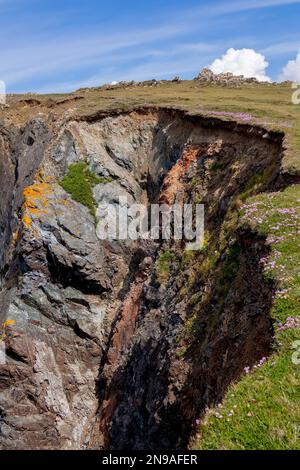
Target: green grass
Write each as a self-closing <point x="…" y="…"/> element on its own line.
<point x="297" y="139"/>
<point x="262" y="410"/>
<point x="163" y="266"/>
<point x="79" y="183"/>
<point x="253" y="185"/>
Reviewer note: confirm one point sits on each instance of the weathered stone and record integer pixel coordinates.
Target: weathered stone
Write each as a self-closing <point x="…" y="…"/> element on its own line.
<point x="207" y="77"/>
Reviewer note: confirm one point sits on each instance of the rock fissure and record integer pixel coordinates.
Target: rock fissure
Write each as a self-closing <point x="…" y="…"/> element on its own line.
<point x="111" y="316"/>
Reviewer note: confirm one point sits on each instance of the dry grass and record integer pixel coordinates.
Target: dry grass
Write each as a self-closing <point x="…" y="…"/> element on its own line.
<point x="269" y="105"/>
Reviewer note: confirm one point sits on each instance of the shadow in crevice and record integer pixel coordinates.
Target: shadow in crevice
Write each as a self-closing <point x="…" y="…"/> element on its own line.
<point x="154" y="397"/>
<point x="158" y="401"/>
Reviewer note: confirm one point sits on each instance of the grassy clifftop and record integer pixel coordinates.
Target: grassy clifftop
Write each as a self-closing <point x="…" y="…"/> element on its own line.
<point x="265" y="104"/>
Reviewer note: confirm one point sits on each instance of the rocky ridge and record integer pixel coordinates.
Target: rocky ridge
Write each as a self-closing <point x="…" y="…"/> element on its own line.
<point x="207" y="77"/>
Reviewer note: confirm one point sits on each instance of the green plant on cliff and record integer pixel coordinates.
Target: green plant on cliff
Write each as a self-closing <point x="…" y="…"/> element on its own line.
<point x="79" y="183"/>
<point x="163" y="266"/>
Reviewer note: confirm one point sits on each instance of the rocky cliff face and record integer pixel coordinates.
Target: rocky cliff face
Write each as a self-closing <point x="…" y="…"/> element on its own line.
<point x="95" y="356"/>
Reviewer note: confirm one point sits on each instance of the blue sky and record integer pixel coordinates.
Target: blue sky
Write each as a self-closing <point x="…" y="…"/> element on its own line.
<point x="62" y="45"/>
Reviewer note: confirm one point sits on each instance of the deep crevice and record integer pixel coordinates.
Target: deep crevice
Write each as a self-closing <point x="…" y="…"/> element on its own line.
<point x="132" y="413"/>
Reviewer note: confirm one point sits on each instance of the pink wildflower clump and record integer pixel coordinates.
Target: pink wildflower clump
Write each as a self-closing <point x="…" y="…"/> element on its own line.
<point x="290" y="324"/>
<point x="267" y="263"/>
<point x="272" y="239"/>
<point x="251" y="212"/>
<point x="238" y="116"/>
<point x="286" y="211"/>
<point x="262" y="361"/>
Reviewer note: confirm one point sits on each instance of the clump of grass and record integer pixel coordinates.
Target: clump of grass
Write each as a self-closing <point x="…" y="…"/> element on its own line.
<point x="297" y="138"/>
<point x="163" y="266"/>
<point x="231" y="264"/>
<point x="252" y="185"/>
<point x="218" y="166"/>
<point x="79" y="183"/>
<point x="187" y="258"/>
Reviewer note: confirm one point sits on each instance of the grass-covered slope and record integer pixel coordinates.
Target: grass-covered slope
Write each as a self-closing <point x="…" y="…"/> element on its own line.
<point x="262" y="410"/>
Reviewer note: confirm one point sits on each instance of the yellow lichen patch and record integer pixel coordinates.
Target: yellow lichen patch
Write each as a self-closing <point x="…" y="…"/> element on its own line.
<point x="62" y="201"/>
<point x="8" y="323"/>
<point x="35" y="200"/>
<point x="26" y="221"/>
<point x="6" y="329"/>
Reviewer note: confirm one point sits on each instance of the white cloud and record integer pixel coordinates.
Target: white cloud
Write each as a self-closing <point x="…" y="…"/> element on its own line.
<point x="245" y="62"/>
<point x="292" y="70"/>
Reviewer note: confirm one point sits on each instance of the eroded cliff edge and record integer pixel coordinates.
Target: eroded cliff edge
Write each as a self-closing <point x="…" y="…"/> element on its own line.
<point x="113" y="347"/>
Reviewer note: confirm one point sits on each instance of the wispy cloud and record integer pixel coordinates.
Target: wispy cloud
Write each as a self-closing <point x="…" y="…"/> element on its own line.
<point x="281" y="48"/>
<point x="71" y="51"/>
<point x="67" y="52"/>
<point x="236" y="6"/>
<point x="146" y="70"/>
<point x="219" y="8"/>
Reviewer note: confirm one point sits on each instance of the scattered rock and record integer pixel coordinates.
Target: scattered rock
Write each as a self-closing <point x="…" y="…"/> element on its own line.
<point x="207" y="77"/>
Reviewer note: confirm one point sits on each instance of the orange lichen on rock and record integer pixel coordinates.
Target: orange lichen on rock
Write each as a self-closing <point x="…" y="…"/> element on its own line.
<point x="35" y="200"/>
<point x="173" y="181"/>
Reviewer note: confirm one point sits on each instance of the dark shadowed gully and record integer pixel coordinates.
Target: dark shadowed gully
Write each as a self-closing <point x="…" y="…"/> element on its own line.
<point x="122" y="345"/>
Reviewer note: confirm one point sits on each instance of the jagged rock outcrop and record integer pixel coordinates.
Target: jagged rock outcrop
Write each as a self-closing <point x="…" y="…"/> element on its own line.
<point x="207" y="77"/>
<point x="93" y="360"/>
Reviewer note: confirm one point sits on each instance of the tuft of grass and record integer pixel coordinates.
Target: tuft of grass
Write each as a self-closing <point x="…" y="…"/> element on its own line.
<point x="79" y="183"/>
<point x="252" y="186"/>
<point x="231" y="264"/>
<point x="218" y="166"/>
<point x="163" y="266"/>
